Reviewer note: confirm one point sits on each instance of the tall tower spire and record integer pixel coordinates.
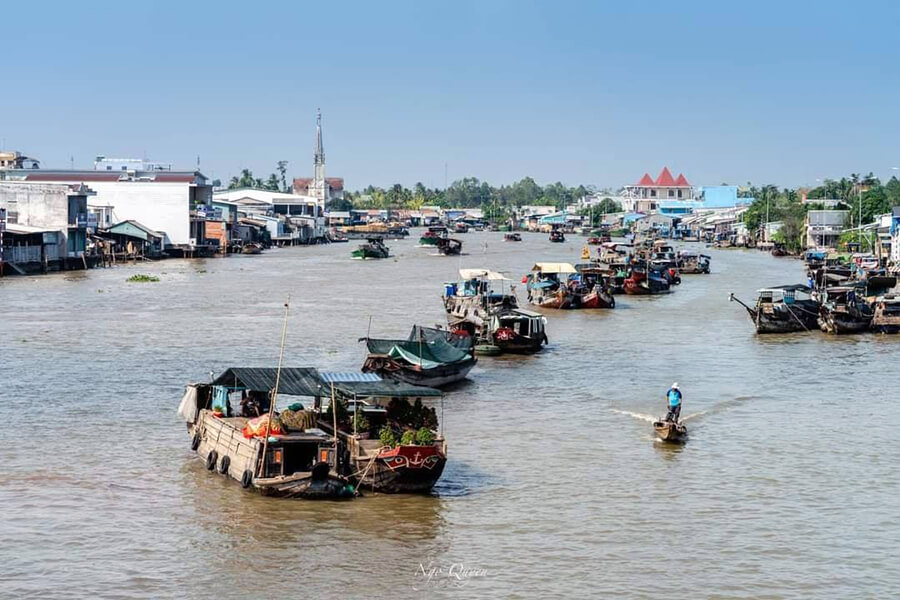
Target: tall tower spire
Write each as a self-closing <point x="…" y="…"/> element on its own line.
<point x="319" y="185"/>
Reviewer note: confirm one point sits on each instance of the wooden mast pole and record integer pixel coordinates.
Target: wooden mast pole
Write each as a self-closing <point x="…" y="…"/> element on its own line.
<point x="262" y="459"/>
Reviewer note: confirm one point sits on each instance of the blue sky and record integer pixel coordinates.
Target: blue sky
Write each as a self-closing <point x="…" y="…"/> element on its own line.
<point x="578" y="92"/>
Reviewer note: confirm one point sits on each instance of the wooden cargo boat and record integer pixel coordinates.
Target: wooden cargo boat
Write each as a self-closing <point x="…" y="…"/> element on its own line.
<point x="251" y="248"/>
<point x="668" y="431"/>
<point x="547" y="285"/>
<point x="484" y="305"/>
<point x="432" y="235"/>
<point x="886" y="316"/>
<point x="592" y="288"/>
<point x="373" y="249"/>
<point x="449" y="246"/>
<point x="428" y="357"/>
<point x="844" y="310"/>
<point x="557" y="236"/>
<point x="693" y="263"/>
<point x="300" y="463"/>
<point x="778" y="310"/>
<point x="643" y="280"/>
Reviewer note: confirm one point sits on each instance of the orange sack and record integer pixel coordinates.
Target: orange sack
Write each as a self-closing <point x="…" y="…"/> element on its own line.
<point x="258" y="427"/>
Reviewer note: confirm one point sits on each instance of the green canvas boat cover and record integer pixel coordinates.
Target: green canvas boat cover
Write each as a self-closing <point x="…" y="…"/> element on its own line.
<point x="425" y="347"/>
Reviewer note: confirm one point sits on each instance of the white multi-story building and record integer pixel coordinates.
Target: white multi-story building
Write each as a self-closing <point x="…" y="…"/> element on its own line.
<point x="161" y="200"/>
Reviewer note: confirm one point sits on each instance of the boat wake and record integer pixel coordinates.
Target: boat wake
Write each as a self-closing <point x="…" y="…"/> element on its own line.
<point x="720" y="407"/>
<point x="642" y="417"/>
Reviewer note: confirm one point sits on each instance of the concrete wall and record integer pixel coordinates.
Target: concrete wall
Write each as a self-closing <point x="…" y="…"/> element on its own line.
<point x="163" y="207"/>
<point x="41" y="205"/>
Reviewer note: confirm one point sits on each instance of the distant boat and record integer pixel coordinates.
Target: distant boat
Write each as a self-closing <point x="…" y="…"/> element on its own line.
<point x="432" y="235"/>
<point x="557" y="236"/>
<point x="449" y="246"/>
<point x="251" y="248"/>
<point x="512" y="237"/>
<point x="372" y="249"/>
<point x="778" y="310"/>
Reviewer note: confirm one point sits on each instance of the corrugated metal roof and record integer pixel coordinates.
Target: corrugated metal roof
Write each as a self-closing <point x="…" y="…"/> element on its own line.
<point x="332" y="377"/>
<point x="295" y="381"/>
<point x="387" y="388"/>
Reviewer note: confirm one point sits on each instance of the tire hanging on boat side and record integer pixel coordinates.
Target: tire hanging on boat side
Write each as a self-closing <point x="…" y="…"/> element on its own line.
<point x="246" y="479"/>
<point x="195" y="441"/>
<point x="224" y="464"/>
<point x="211" y="459"/>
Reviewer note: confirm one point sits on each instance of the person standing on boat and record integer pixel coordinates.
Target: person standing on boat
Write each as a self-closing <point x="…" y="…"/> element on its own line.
<point x="674" y="398"/>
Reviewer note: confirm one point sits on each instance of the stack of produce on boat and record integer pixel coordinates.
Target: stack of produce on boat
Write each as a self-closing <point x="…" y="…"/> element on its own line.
<point x="385" y="440"/>
<point x="391" y="441"/>
<point x="779" y="310"/>
<point x="432" y="235"/>
<point x="547" y="285"/>
<point x="483" y="303"/>
<point x="372" y="249"/>
<point x="429" y="357"/>
<point x="449" y="246"/>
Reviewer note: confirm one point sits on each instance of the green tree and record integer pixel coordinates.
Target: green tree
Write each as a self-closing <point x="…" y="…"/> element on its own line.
<point x="282" y="171"/>
<point x="272" y="183"/>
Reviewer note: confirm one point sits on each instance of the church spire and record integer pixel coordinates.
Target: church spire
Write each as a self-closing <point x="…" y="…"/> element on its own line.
<point x="320" y="187"/>
<point x="320" y="149"/>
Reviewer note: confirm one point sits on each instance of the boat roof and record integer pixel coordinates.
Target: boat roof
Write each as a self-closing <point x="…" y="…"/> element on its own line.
<point x="308" y="381"/>
<point x="794" y="287"/>
<point x="481" y="273"/>
<point x="549" y="267"/>
<point x="294" y="381"/>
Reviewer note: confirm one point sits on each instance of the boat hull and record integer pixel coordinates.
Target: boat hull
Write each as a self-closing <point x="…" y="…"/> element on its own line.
<point x="667" y="431"/>
<point x="838" y="323"/>
<point x="598" y="300"/>
<point x="436" y="377"/>
<point x="402" y="470"/>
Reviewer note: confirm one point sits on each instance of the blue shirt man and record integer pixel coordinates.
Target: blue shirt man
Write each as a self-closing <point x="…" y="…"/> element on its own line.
<point x="674" y="397"/>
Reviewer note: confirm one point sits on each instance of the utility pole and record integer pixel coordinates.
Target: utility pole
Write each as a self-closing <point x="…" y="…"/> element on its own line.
<point x="859" y="201"/>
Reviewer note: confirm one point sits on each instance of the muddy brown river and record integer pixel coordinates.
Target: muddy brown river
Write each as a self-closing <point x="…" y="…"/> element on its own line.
<point x="787" y="488"/>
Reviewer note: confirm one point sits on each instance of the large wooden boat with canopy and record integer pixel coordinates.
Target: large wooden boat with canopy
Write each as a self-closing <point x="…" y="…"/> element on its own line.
<point x="483" y="304"/>
<point x="429" y="357"/>
<point x="779" y="309"/>
<point x="229" y="423"/>
<point x="319" y="443"/>
<point x="547" y="285"/>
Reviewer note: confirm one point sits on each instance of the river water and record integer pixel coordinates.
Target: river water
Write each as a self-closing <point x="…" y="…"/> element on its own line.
<point x="788" y="486"/>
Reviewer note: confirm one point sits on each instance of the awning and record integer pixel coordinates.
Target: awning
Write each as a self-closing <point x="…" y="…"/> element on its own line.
<point x="385" y="388"/>
<point x="553" y="267"/>
<point x="295" y="381"/>
<point x="479" y="273"/>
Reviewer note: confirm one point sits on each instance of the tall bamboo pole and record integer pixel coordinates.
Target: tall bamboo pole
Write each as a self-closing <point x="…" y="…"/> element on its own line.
<point x="262" y="459"/>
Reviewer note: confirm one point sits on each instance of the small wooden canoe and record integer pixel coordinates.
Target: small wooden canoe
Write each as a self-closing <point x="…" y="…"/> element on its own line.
<point x="667" y="431"/>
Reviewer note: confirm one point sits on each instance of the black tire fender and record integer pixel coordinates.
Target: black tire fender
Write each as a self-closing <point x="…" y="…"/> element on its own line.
<point x="195" y="441"/>
<point x="211" y="459"/>
<point x="247" y="479"/>
<point x="224" y="464"/>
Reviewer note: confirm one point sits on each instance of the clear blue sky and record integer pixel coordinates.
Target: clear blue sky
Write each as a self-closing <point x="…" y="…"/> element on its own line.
<point x="580" y="92"/>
